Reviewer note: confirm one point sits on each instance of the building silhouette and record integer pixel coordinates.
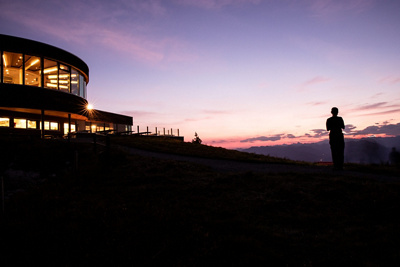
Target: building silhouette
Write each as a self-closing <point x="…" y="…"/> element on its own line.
<point x="43" y="92"/>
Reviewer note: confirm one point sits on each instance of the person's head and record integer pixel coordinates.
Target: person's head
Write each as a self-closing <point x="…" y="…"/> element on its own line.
<point x="335" y="111"/>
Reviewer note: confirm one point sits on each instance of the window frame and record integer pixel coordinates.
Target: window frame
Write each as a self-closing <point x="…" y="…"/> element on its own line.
<point x="81" y="80"/>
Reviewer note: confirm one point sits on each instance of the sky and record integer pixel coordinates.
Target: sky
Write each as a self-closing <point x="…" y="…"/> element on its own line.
<point x="240" y="73"/>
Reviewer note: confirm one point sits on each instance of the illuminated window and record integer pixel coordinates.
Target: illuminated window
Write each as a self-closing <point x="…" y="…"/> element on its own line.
<point x="48" y="125"/>
<point x="50" y="74"/>
<point x="73" y="128"/>
<point x="32" y="71"/>
<point x="12" y="68"/>
<point x="31" y="124"/>
<point x="4" y="122"/>
<point x="64" y="78"/>
<point x="54" y="126"/>
<point x="20" y="123"/>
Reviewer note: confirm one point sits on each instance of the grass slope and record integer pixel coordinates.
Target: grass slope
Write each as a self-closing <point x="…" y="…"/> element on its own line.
<point x="116" y="209"/>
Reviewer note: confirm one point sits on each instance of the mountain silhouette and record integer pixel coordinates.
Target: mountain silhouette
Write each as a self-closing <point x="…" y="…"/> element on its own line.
<point x="373" y="150"/>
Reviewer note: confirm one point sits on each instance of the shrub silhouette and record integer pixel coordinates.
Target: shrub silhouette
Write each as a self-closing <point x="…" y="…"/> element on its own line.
<point x="196" y="139"/>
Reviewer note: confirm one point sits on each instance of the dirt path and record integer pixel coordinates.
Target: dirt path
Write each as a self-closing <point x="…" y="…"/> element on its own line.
<point x="238" y="166"/>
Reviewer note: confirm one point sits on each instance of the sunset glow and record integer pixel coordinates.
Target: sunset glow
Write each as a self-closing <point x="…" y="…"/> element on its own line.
<point x="240" y="73"/>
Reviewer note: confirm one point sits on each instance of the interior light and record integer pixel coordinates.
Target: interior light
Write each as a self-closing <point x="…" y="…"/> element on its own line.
<point x="89" y="107"/>
<point x="51" y="85"/>
<point x="52" y="76"/>
<point x="53" y="69"/>
<point x="33" y="63"/>
<point x="63" y="87"/>
<point x="4" y="59"/>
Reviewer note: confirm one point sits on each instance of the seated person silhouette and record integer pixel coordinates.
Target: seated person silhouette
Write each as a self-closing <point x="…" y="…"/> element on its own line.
<point x="335" y="125"/>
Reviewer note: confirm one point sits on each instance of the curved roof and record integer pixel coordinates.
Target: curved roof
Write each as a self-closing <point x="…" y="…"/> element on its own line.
<point x="34" y="48"/>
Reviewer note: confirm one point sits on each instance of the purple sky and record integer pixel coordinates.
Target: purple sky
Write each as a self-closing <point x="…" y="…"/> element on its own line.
<point x="238" y="72"/>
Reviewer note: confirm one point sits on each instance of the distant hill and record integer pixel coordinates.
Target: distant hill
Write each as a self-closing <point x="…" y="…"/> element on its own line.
<point x="366" y="151"/>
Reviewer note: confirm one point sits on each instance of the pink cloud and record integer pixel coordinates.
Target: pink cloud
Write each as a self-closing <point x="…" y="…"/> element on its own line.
<point x="312" y="82"/>
<point x="386" y="112"/>
<point x="316" y="80"/>
<point x="390" y="80"/>
<point x="379" y="108"/>
<point x="372" y="106"/>
<point x="327" y="8"/>
<point x="215" y="4"/>
<point x="319" y="103"/>
<point x="100" y="27"/>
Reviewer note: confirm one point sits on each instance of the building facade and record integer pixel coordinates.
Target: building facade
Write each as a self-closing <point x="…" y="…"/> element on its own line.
<point x="43" y="91"/>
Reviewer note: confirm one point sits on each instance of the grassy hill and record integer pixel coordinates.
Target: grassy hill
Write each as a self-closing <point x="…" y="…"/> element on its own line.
<point x="82" y="205"/>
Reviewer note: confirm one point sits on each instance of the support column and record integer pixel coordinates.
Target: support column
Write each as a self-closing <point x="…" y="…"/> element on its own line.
<point x="42" y="122"/>
<point x="69" y="123"/>
<point x="69" y="127"/>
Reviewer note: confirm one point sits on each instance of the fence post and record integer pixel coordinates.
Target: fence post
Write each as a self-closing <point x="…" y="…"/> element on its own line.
<point x="138" y="129"/>
<point x="178" y="132"/>
<point x="147" y="130"/>
<point x="156" y="131"/>
<point x="172" y="133"/>
<point x="164" y="131"/>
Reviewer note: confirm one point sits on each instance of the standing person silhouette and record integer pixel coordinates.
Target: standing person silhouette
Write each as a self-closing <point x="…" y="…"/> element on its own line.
<point x="335" y="125"/>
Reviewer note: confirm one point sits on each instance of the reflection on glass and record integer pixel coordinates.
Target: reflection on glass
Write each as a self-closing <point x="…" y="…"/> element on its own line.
<point x="4" y="122"/>
<point x="32" y="71"/>
<point x="74" y="82"/>
<point x="64" y="76"/>
<point x="20" y="123"/>
<point x="82" y="86"/>
<point x="50" y="74"/>
<point x="12" y="68"/>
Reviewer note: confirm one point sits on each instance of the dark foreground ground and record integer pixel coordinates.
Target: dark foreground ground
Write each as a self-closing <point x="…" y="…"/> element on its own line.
<point x="74" y="206"/>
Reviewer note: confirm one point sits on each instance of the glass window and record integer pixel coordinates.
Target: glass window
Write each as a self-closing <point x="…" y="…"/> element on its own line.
<point x="49" y="125"/>
<point x="50" y="72"/>
<point x="4" y="122"/>
<point x="32" y="71"/>
<point x="31" y="124"/>
<point x="54" y="126"/>
<point x="1" y="66"/>
<point x="64" y="76"/>
<point x="73" y="128"/>
<point x="20" y="123"/>
<point x="74" y="82"/>
<point x="82" y="86"/>
<point x="12" y="69"/>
